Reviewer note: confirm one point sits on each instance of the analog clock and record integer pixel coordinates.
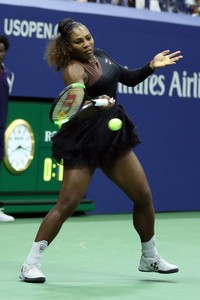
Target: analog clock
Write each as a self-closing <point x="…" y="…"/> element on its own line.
<point x="19" y="146"/>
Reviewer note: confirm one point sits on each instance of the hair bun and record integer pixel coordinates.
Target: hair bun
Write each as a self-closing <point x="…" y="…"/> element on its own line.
<point x="64" y="25"/>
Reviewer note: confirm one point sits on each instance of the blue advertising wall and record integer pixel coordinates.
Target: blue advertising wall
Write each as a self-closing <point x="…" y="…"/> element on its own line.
<point x="165" y="107"/>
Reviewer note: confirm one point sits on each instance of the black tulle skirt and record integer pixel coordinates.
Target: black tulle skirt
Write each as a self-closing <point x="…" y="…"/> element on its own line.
<point x="87" y="141"/>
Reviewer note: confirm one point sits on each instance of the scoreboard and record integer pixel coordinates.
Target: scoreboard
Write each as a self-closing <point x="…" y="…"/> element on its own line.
<point x="32" y="186"/>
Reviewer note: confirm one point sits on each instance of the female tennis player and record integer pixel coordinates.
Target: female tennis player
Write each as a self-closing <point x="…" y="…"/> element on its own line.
<point x="85" y="143"/>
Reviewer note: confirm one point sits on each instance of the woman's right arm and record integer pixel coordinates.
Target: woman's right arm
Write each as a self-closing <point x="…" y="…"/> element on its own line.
<point x="74" y="72"/>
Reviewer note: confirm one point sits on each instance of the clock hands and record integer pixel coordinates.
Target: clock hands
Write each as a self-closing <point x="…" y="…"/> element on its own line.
<point x="23" y="148"/>
<point x="20" y="147"/>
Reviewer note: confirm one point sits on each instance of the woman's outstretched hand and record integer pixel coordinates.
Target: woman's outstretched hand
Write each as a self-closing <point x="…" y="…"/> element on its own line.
<point x="165" y="58"/>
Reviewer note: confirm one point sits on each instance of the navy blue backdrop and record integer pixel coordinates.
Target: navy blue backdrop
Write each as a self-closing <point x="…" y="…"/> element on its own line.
<point x="165" y="107"/>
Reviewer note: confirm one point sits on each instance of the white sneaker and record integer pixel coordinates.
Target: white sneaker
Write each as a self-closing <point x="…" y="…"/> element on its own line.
<point x="4" y="217"/>
<point x="32" y="273"/>
<point x="156" y="264"/>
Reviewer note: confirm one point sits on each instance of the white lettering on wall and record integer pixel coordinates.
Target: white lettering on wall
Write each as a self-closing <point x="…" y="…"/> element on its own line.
<point x="185" y="86"/>
<point x="29" y="29"/>
<point x="181" y="85"/>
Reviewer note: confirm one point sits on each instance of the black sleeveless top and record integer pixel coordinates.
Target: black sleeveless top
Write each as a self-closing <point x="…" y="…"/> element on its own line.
<point x="86" y="140"/>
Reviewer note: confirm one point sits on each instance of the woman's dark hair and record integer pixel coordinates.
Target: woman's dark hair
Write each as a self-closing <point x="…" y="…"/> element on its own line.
<point x="4" y="40"/>
<point x="66" y="26"/>
<point x="57" y="53"/>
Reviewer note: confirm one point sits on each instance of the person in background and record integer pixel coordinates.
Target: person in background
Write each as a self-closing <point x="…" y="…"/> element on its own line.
<point x="6" y="83"/>
<point x="86" y="143"/>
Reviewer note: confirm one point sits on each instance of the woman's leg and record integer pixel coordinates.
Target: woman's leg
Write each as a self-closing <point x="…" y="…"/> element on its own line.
<point x="128" y="174"/>
<point x="74" y="187"/>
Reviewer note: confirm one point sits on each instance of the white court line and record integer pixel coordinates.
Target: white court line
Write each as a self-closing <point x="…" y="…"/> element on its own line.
<point x="83" y="245"/>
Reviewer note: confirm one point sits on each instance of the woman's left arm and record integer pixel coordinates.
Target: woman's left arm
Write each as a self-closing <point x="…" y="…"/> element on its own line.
<point x="135" y="76"/>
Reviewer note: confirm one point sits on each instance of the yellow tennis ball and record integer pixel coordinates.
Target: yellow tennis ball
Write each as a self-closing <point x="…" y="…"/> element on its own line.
<point x="115" y="124"/>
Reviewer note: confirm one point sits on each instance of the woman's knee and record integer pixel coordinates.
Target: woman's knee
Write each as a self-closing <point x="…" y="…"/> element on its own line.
<point x="66" y="205"/>
<point x="143" y="198"/>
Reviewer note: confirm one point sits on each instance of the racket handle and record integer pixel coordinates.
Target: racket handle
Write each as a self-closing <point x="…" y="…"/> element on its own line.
<point x="100" y="102"/>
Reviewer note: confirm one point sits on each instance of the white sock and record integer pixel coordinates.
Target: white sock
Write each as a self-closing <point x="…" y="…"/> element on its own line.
<point x="149" y="248"/>
<point x="36" y="252"/>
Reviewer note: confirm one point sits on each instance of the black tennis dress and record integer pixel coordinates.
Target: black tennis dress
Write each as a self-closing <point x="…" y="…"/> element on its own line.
<point x="86" y="140"/>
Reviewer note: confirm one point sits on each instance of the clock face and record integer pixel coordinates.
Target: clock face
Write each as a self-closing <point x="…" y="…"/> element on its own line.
<point x="19" y="146"/>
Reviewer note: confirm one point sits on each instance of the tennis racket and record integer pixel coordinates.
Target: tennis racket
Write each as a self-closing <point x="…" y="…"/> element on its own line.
<point x="70" y="102"/>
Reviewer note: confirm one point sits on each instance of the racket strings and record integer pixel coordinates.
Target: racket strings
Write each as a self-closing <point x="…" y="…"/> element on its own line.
<point x="68" y="105"/>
